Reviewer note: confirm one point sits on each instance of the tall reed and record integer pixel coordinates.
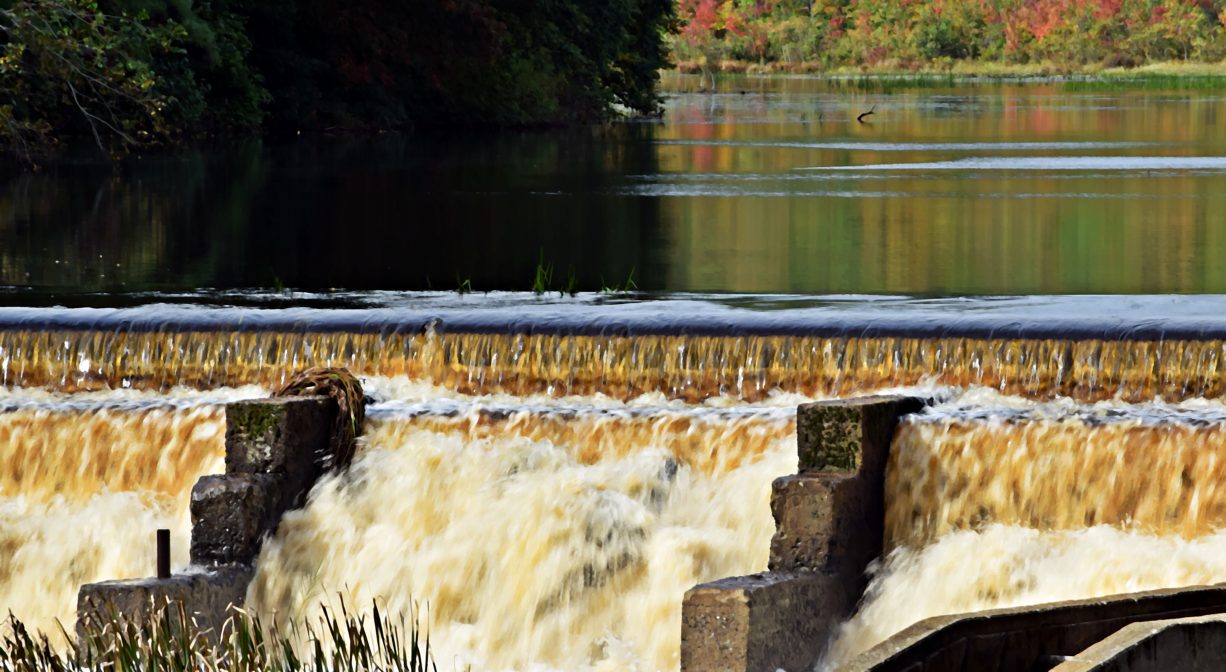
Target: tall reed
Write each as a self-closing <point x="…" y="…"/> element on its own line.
<point x="169" y="641"/>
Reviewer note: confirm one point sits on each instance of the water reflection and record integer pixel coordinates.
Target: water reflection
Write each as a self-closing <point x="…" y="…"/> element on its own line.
<point x="1167" y="164"/>
<point x="767" y="185"/>
<point x="981" y="189"/>
<point x="379" y="212"/>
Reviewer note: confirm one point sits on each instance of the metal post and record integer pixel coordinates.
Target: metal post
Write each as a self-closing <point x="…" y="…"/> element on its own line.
<point x="163" y="554"/>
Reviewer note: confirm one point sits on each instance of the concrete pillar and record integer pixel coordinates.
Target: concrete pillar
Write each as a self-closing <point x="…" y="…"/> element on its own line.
<point x="275" y="451"/>
<point x="766" y="621"/>
<point x="231" y="514"/>
<point x="284" y="437"/>
<point x="829" y="524"/>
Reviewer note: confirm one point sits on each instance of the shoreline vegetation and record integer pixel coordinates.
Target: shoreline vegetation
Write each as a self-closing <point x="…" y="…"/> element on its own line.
<point x="1169" y="76"/>
<point x="947" y="35"/>
<point x="962" y="71"/>
<point x="129" y="75"/>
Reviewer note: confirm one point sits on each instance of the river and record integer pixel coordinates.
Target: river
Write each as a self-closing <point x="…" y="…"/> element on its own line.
<point x="766" y="185"/>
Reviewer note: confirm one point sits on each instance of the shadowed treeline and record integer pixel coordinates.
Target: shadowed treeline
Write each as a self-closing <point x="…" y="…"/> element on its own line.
<point x="126" y="74"/>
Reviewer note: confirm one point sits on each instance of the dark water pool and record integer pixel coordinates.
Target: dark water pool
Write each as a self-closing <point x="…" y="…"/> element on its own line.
<point x="769" y="185"/>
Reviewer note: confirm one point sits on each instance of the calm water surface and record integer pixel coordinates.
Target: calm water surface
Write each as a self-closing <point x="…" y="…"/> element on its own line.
<point x="768" y="185"/>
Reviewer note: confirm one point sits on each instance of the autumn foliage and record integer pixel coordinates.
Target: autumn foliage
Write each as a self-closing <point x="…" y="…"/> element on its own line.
<point x="913" y="33"/>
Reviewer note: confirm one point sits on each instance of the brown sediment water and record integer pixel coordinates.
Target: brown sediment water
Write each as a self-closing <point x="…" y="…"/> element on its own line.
<point x="1054" y="474"/>
<point x="691" y="367"/>
<point x="543" y="533"/>
<point x="537" y="541"/>
<point x="72" y="455"/>
<point x="1032" y="503"/>
<point x="551" y="495"/>
<point x="83" y="491"/>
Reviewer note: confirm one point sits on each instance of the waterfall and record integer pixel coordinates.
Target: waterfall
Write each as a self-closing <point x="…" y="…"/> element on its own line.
<point x="548" y="487"/>
<point x="998" y="502"/>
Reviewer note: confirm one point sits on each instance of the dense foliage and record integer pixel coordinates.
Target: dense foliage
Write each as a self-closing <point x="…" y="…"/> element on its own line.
<point x="133" y="72"/>
<point x="918" y="33"/>
<point x="389" y="62"/>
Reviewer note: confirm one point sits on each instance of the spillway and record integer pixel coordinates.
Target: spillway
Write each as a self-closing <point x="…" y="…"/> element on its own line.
<point x="683" y="348"/>
<point x="1000" y="501"/>
<point x="1155" y="467"/>
<point x="555" y="538"/>
<point x="550" y="476"/>
<point x="84" y="482"/>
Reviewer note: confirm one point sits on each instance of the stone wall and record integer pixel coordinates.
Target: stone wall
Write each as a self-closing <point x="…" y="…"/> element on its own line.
<point x="829" y="524"/>
<point x="275" y="451"/>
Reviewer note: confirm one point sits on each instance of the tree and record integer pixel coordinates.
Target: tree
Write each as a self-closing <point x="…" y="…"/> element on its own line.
<point x="67" y="67"/>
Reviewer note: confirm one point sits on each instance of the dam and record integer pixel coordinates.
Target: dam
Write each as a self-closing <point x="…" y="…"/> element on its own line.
<point x="550" y="476"/>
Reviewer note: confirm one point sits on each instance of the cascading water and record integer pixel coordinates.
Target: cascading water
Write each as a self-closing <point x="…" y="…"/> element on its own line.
<point x="999" y="502"/>
<point x="83" y="484"/>
<point x="550" y="487"/>
<point x="623" y="367"/>
<point x="548" y="537"/>
<point x="683" y="348"/>
<point x="539" y="531"/>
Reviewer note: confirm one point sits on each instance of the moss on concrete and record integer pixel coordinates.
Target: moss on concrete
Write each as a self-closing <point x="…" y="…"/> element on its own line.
<point x="254" y="420"/>
<point x="828" y="437"/>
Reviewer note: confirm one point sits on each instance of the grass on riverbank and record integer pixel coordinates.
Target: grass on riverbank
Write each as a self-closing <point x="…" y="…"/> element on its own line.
<point x="338" y="643"/>
<point x="1157" y="76"/>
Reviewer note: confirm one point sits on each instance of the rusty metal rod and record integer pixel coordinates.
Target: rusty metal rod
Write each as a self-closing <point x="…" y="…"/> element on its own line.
<point x="163" y="554"/>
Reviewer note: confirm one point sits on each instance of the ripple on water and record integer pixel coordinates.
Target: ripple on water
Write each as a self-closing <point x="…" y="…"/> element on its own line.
<point x="1053" y="163"/>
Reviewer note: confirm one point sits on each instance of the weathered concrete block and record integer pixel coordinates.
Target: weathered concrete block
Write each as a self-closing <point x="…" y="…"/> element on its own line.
<point x="231" y="514"/>
<point x="850" y="435"/>
<point x="760" y="623"/>
<point x="824" y="523"/>
<point x="828" y="527"/>
<point x="828" y="437"/>
<point x="830" y="516"/>
<point x="286" y="436"/>
<point x="207" y="597"/>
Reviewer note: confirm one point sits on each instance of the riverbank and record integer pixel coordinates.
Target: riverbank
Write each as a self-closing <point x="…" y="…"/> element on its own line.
<point x="1173" y="71"/>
